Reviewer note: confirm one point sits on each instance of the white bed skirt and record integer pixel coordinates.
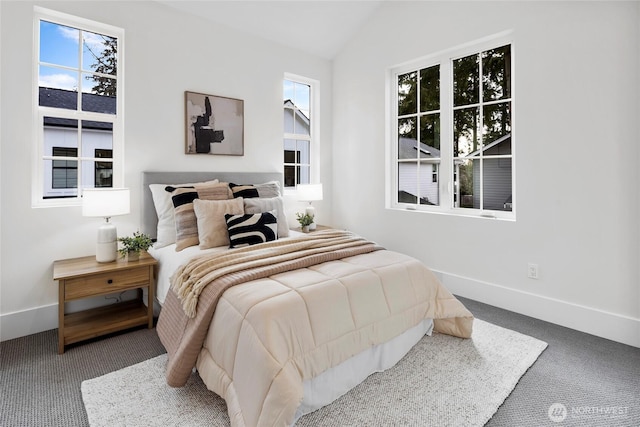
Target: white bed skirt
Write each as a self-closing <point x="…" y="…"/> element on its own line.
<point x="333" y="383"/>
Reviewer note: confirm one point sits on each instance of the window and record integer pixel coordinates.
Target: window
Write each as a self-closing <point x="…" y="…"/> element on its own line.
<point x="300" y="131"/>
<point x="64" y="172"/>
<point x="452" y="119"/>
<point x="482" y="129"/>
<point x="79" y="107"/>
<point x="418" y="142"/>
<point x="103" y="170"/>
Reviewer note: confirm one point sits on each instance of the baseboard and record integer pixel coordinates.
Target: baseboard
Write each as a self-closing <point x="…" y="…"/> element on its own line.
<point x="39" y="319"/>
<point x="596" y="322"/>
<point x="26" y="322"/>
<point x="607" y="325"/>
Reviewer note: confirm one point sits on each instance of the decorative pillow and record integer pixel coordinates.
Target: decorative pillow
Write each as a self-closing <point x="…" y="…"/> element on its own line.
<point x="212" y="228"/>
<point x="166" y="231"/>
<point x="257" y="205"/>
<point x="250" y="229"/>
<point x="268" y="189"/>
<point x="219" y="191"/>
<point x="185" y="217"/>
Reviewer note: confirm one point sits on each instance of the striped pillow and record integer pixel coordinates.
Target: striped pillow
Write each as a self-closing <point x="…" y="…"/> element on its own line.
<point x="268" y="189"/>
<point x="161" y="194"/>
<point x="250" y="229"/>
<point x="185" y="217"/>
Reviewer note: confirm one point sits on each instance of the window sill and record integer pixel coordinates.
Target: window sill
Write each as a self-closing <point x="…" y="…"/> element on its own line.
<point x="56" y="203"/>
<point x="459" y="212"/>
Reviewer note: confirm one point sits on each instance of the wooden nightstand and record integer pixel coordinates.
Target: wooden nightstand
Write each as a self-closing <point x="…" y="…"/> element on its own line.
<point x="85" y="277"/>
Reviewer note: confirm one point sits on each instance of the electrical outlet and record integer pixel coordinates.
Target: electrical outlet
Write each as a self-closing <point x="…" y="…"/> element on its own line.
<point x="532" y="271"/>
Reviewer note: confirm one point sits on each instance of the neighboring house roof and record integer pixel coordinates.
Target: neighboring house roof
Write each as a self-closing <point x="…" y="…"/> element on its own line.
<point x="491" y="145"/>
<point x="407" y="148"/>
<point x="289" y="103"/>
<point x="68" y="99"/>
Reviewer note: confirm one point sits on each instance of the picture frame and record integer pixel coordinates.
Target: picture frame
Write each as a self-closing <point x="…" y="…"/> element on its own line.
<point x="214" y="124"/>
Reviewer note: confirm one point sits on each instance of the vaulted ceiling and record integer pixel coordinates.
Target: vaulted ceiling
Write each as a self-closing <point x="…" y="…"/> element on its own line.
<point x="317" y="27"/>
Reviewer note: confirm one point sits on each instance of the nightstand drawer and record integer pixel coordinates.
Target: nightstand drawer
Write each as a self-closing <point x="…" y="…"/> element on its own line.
<point x="104" y="283"/>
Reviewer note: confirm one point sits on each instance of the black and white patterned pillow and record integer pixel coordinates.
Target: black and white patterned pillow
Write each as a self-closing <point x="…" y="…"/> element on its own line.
<point x="250" y="229"/>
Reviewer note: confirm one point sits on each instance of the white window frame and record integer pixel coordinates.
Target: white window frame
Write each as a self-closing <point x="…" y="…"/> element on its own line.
<point x="446" y="170"/>
<point x="314" y="129"/>
<point x="38" y="159"/>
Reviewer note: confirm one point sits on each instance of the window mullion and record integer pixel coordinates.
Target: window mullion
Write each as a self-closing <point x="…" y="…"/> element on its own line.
<point x="297" y="136"/>
<point x="77" y="114"/>
<point x="481" y="130"/>
<point x="447" y="185"/>
<point x="79" y="72"/>
<point x="79" y="181"/>
<point x="418" y="138"/>
<point x="61" y="67"/>
<point x="495" y="102"/>
<point x="462" y="107"/>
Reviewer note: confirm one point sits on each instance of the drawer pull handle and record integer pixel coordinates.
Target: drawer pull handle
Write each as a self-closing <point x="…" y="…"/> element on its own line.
<point x="110" y="281"/>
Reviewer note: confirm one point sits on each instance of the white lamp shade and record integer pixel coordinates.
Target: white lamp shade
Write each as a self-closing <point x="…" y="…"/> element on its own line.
<point x="105" y="202"/>
<point x="309" y="192"/>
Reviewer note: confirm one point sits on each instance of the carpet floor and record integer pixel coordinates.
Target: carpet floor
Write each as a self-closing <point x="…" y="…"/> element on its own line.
<point x="584" y="373"/>
<point x="443" y="381"/>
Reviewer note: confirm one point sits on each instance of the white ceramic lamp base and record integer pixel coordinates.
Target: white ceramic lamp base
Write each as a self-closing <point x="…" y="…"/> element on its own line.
<point x="107" y="246"/>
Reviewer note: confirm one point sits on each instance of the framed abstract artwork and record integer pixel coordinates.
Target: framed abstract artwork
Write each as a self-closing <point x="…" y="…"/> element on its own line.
<point x="214" y="124"/>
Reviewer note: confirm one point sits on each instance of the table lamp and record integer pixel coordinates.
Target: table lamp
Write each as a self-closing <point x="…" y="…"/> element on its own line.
<point x="106" y="202"/>
<point x="310" y="193"/>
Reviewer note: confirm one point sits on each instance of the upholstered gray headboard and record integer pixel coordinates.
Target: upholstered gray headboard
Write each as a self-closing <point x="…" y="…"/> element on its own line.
<point x="149" y="220"/>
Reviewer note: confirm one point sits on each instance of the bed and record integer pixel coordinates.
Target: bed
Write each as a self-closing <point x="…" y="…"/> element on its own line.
<point x="282" y="328"/>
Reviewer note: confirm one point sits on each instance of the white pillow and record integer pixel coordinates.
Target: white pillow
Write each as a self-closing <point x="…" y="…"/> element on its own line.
<point x="258" y="205"/>
<point x="212" y="225"/>
<point x="166" y="232"/>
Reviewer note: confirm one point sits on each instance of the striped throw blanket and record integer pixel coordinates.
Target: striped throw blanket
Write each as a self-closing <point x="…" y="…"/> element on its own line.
<point x="197" y="286"/>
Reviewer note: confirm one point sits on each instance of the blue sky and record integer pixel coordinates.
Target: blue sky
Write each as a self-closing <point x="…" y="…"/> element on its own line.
<point x="59" y="47"/>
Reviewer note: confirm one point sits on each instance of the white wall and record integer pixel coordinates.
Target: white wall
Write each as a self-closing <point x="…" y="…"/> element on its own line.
<point x="167" y="53"/>
<point x="576" y="105"/>
<point x="577" y="92"/>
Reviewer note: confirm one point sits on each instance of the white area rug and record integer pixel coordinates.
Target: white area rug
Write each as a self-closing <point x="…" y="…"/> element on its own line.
<point x="443" y="381"/>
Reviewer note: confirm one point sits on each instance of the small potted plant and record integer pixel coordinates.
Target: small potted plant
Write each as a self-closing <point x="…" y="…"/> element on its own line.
<point x="132" y="246"/>
<point x="305" y="221"/>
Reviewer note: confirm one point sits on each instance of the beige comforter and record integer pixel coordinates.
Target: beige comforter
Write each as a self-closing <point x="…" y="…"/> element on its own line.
<point x="295" y="318"/>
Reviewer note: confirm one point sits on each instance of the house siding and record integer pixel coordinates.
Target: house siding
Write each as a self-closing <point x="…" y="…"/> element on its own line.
<point x="409" y="178"/>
